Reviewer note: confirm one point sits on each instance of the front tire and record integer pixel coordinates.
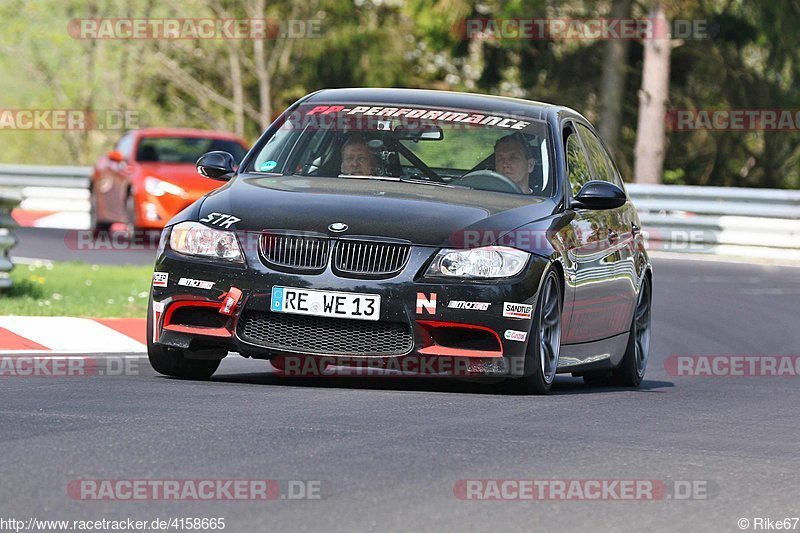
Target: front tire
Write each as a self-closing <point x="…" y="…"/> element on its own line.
<point x="173" y="362"/>
<point x="131" y="222"/>
<point x="541" y="361"/>
<point x="95" y="226"/>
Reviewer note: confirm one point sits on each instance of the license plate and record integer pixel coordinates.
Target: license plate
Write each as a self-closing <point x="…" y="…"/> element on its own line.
<point x="326" y="303"/>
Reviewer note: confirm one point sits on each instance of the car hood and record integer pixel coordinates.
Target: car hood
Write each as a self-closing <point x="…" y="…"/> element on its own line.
<point x="422" y="214"/>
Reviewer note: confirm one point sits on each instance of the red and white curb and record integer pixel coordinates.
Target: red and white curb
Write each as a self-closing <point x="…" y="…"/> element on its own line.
<point x="68" y="335"/>
<point x="50" y="219"/>
<point x="53" y="207"/>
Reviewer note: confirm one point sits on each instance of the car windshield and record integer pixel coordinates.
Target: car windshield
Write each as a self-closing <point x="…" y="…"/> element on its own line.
<point x="184" y="149"/>
<point x="483" y="150"/>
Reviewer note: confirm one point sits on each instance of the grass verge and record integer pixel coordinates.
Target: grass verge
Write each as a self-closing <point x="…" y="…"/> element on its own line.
<point x="77" y="289"/>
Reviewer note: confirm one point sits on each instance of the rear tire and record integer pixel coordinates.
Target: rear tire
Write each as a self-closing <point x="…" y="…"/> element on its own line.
<point x="631" y="370"/>
<point x="541" y="361"/>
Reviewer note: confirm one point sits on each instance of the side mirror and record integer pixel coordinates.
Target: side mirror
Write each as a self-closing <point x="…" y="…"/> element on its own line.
<point x="219" y="166"/>
<point x="598" y="195"/>
<point x="116" y="156"/>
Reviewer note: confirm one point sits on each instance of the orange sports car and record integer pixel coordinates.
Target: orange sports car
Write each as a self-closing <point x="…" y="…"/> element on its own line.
<point x="150" y="176"/>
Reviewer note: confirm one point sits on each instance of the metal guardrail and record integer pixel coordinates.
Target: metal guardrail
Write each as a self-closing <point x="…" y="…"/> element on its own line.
<point x="19" y="176"/>
<point x="49" y="188"/>
<point x="722" y="201"/>
<point x="718" y="220"/>
<point x="8" y="200"/>
<point x="745" y="222"/>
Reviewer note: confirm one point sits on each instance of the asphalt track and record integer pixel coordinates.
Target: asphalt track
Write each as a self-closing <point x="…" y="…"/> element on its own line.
<point x="389" y="451"/>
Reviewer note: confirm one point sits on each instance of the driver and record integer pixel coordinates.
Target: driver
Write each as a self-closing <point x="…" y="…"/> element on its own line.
<point x="358" y="159"/>
<point x="513" y="158"/>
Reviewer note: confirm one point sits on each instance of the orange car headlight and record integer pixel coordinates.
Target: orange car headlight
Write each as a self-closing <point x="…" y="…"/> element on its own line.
<point x="158" y="187"/>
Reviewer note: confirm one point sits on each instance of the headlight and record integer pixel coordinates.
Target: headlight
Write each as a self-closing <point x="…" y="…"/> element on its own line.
<point x="158" y="187"/>
<point x="193" y="238"/>
<point x="486" y="262"/>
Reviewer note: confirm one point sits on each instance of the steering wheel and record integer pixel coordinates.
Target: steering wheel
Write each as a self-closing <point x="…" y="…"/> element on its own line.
<point x="488" y="180"/>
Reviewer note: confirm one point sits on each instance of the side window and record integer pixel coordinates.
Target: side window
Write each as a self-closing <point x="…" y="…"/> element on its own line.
<point x="577" y="165"/>
<point x="125" y="145"/>
<point x="272" y="156"/>
<point x="614" y="169"/>
<point x="601" y="162"/>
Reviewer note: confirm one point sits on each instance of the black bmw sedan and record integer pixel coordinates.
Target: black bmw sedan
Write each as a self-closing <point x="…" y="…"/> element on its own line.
<point x="410" y="232"/>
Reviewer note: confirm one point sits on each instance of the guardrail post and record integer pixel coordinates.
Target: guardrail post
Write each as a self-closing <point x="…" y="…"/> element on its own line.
<point x="8" y="200"/>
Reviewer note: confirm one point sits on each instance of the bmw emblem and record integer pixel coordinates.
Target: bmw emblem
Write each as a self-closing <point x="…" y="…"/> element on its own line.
<point x="338" y="227"/>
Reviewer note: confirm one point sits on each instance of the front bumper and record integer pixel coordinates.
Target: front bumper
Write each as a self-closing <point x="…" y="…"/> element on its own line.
<point x="423" y="325"/>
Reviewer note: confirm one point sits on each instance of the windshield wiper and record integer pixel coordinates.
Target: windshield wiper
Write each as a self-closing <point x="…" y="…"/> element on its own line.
<point x="403" y="180"/>
<point x="428" y="182"/>
<point x="437" y="183"/>
<point x="381" y="178"/>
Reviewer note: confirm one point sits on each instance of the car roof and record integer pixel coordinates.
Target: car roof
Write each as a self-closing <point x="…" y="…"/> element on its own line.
<point x="429" y="97"/>
<point x="188" y="132"/>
